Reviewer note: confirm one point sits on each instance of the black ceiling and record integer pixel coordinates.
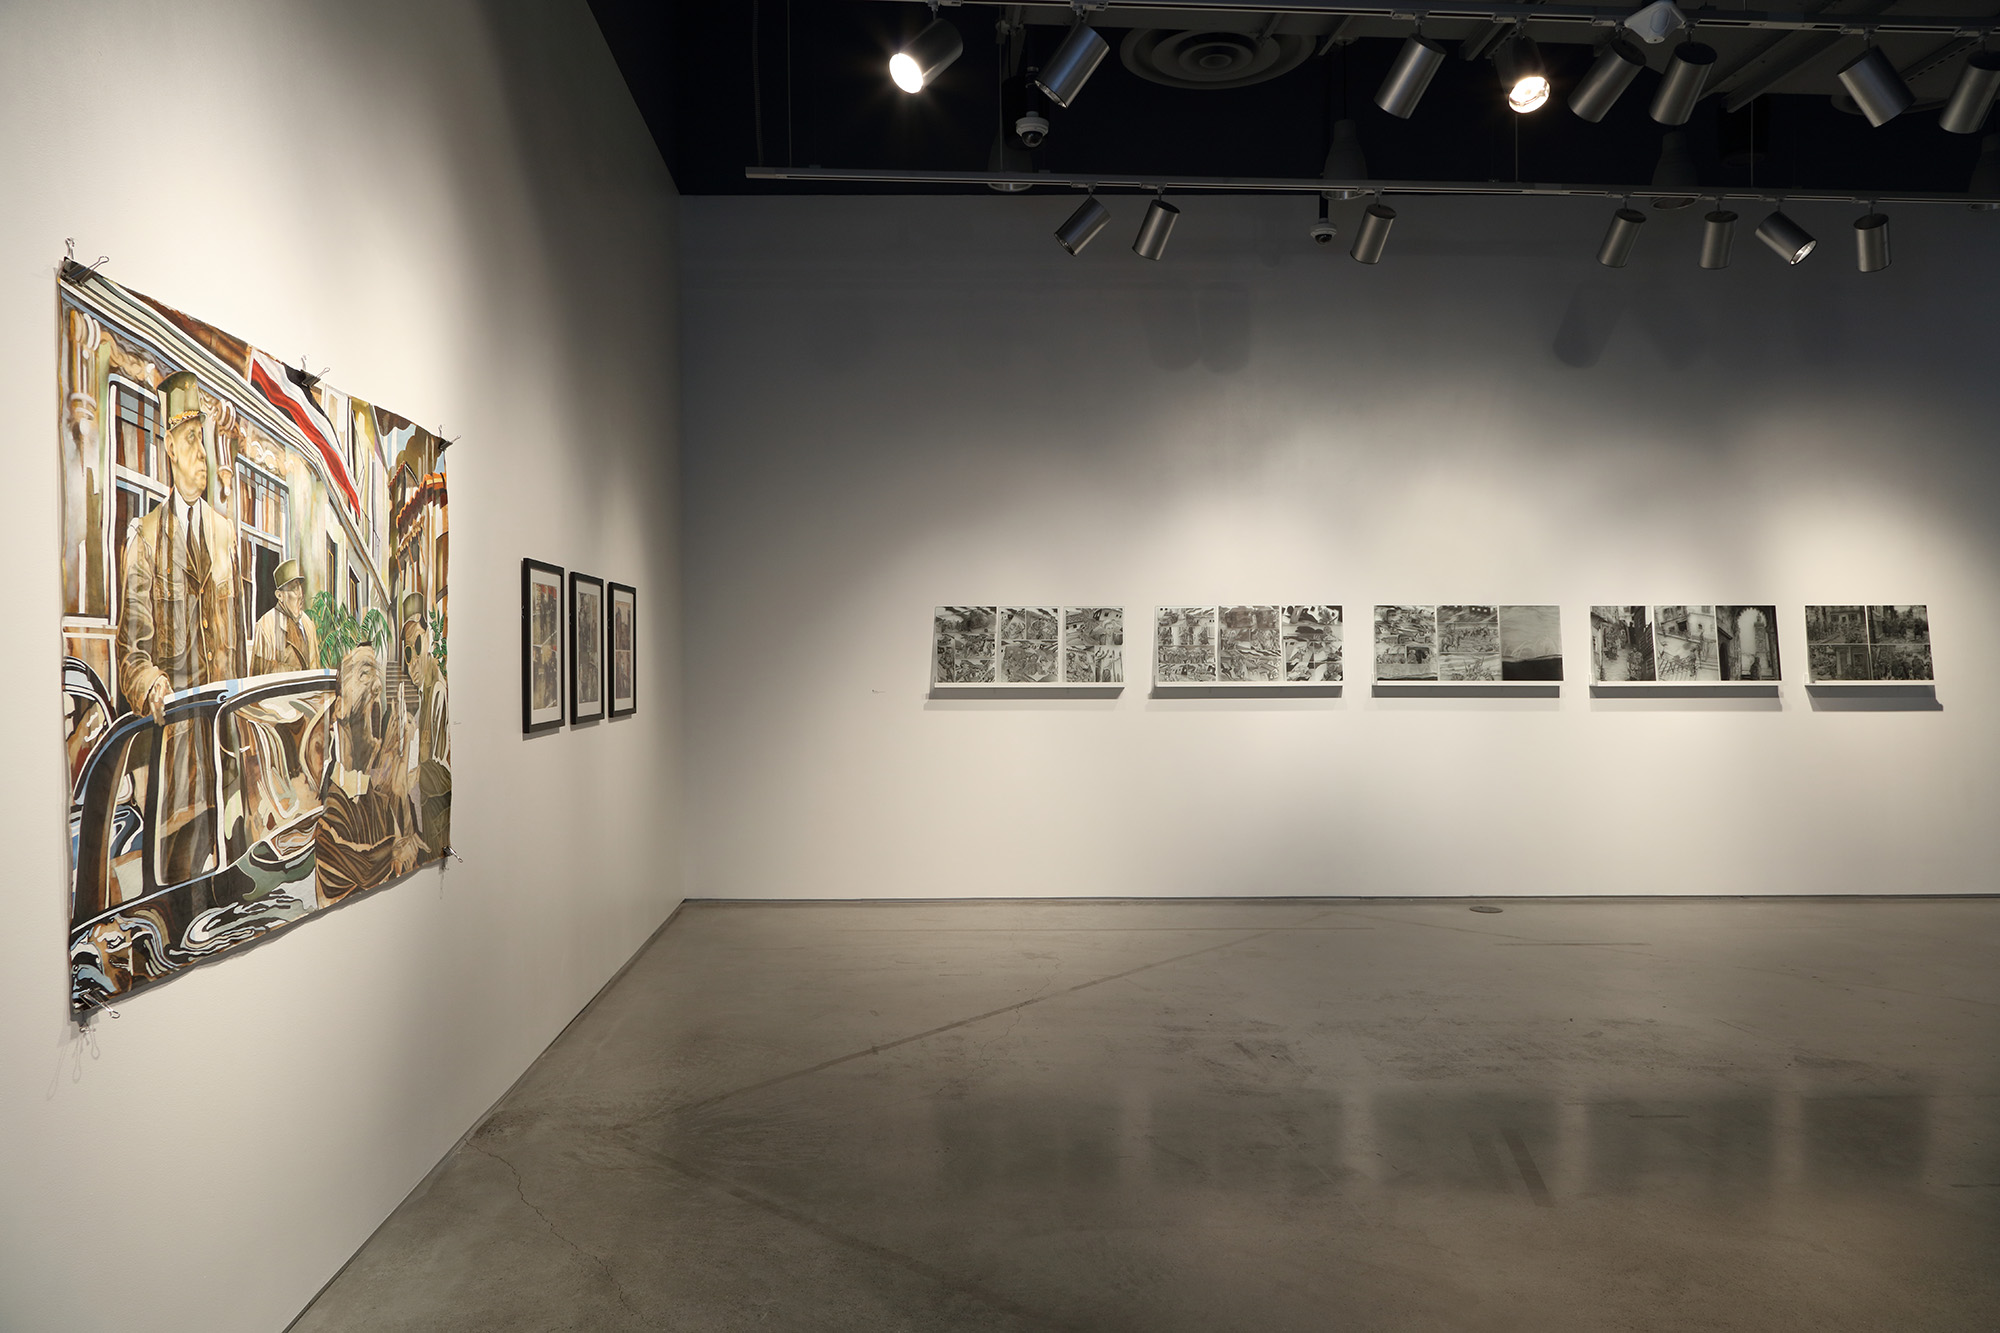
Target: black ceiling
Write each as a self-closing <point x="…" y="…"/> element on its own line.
<point x="728" y="84"/>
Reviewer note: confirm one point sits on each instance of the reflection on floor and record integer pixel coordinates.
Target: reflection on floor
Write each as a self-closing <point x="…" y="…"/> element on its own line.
<point x="1241" y="1115"/>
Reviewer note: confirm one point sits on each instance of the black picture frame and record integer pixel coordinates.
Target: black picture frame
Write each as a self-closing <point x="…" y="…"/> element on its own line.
<point x="616" y="595"/>
<point x="587" y="636"/>
<point x="539" y="576"/>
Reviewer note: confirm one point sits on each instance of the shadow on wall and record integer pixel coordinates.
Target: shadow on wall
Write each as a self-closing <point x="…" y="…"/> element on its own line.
<point x="1681" y="324"/>
<point x="1210" y="325"/>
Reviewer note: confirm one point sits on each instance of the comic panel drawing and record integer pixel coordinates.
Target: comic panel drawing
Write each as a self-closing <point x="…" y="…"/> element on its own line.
<point x="1684" y="647"/>
<point x="1468" y="643"/>
<point x="963" y="648"/>
<point x="1029" y="644"/>
<point x="1747" y="642"/>
<point x="1094" y="645"/>
<point x="1531" y="643"/>
<point x="1406" y="643"/>
<point x="254" y="621"/>
<point x="1313" y="637"/>
<point x="1248" y="645"/>
<point x="1621" y="644"/>
<point x="1184" y="645"/>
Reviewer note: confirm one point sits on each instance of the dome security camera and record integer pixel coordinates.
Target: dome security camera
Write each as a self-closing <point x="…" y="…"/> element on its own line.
<point x="1031" y="130"/>
<point x="1323" y="232"/>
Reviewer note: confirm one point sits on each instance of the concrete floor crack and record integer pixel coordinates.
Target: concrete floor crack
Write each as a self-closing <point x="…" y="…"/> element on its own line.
<point x="521" y="1192"/>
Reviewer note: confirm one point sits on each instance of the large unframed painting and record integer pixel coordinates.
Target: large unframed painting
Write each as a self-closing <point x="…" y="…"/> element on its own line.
<point x="254" y="641"/>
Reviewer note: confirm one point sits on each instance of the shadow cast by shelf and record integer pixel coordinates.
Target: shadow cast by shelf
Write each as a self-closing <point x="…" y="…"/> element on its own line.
<point x="1246" y="692"/>
<point x="1053" y="692"/>
<point x="1539" y="689"/>
<point x="1885" y="697"/>
<point x="1735" y="689"/>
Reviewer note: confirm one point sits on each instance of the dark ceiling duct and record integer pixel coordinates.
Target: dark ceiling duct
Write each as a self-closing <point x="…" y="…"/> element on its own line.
<point x="1212" y="59"/>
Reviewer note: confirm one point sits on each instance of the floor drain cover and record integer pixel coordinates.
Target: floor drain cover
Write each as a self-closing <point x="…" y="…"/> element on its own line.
<point x="1484" y="908"/>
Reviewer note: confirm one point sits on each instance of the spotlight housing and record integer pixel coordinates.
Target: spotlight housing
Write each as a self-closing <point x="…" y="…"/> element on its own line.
<point x="1072" y="65"/>
<point x="1158" y="224"/>
<point x="926" y="56"/>
<point x="1522" y="75"/>
<point x="1876" y="87"/>
<point x="1718" y="229"/>
<point x="1871" y="242"/>
<point x="1972" y="98"/>
<point x="1407" y="79"/>
<point x="1787" y="239"/>
<point x="1344" y="158"/>
<point x="1620" y="237"/>
<point x="1082" y="225"/>
<point x="1610" y="75"/>
<point x="1372" y="236"/>
<point x="1687" y="71"/>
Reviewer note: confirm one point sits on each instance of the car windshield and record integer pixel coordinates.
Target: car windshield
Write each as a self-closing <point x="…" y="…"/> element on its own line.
<point x="274" y="752"/>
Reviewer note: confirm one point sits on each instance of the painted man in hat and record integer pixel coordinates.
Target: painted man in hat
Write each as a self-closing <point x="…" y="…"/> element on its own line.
<point x="177" y="626"/>
<point x="285" y="639"/>
<point x="425" y="690"/>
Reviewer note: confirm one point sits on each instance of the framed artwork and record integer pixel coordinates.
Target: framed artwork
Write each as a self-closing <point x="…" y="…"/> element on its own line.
<point x="541" y="646"/>
<point x="1054" y="646"/>
<point x="249" y="557"/>
<point x="586" y="647"/>
<point x="1849" y="644"/>
<point x="1683" y="645"/>
<point x="1456" y="645"/>
<point x="621" y="638"/>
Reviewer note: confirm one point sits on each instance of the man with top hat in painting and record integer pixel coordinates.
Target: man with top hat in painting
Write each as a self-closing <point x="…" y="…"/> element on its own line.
<point x="425" y="692"/>
<point x="285" y="639"/>
<point x="177" y="624"/>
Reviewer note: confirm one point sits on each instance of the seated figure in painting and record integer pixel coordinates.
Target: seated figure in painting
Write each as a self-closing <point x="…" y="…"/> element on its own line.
<point x="366" y="834"/>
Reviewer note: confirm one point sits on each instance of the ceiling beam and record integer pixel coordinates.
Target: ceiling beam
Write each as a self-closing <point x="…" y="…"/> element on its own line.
<point x="1502" y="11"/>
<point x="1295" y="185"/>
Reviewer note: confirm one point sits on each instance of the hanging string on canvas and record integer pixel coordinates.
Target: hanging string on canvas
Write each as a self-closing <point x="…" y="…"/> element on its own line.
<point x="73" y="272"/>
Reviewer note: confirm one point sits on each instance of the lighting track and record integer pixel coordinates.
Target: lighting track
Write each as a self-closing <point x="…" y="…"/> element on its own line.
<point x="1967" y="25"/>
<point x="1352" y="188"/>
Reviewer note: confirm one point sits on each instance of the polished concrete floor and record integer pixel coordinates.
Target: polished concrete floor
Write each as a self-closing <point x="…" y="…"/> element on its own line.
<point x="1240" y="1115"/>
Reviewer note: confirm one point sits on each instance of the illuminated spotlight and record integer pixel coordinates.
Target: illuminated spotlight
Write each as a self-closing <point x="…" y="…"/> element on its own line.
<point x="1876" y="87"/>
<point x="1083" y="225"/>
<point x="1973" y="96"/>
<point x="1072" y="65"/>
<point x="1680" y="88"/>
<point x="1415" y="65"/>
<point x="1526" y="83"/>
<point x="1787" y="239"/>
<point x="1372" y="236"/>
<point x="1718" y="229"/>
<point x="1674" y="171"/>
<point x="1620" y="237"/>
<point x="1616" y="66"/>
<point x="1154" y="228"/>
<point x="1871" y="242"/>
<point x="1985" y="182"/>
<point x="926" y="56"/>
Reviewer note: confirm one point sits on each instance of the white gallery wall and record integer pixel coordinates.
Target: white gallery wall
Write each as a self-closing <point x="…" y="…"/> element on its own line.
<point x="895" y="403"/>
<point x="455" y="206"/>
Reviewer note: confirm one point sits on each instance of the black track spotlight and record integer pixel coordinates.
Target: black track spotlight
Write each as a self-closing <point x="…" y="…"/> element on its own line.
<point x="1787" y="239"/>
<point x="1518" y="60"/>
<point x="1415" y="66"/>
<point x="1674" y="171"/>
<point x="1620" y="237"/>
<point x="1072" y="64"/>
<point x="1871" y="242"/>
<point x="1372" y="236"/>
<point x="1876" y="87"/>
<point x="1718" y="229"/>
<point x="1973" y="97"/>
<point x="1985" y="182"/>
<point x="1610" y="75"/>
<point x="1158" y="224"/>
<point x="1687" y="73"/>
<point x="926" y="56"/>
<point x="1083" y="225"/>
